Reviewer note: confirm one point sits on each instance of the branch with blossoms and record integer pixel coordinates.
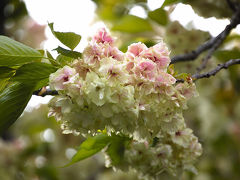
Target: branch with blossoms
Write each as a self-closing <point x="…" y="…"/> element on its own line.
<point x="211" y="46"/>
<point x="134" y="97"/>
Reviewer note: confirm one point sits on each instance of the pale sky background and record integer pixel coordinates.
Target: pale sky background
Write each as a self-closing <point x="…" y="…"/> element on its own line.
<point x="78" y="15"/>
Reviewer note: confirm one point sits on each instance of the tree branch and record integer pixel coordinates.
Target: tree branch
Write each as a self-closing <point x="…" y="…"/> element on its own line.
<point x="234" y="22"/>
<point x="232" y="5"/>
<point x="44" y="92"/>
<point x="217" y="69"/>
<point x="211" y="44"/>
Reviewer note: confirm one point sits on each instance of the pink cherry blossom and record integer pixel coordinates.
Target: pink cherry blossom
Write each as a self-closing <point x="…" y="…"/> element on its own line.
<point x="113" y="52"/>
<point x="81" y="68"/>
<point x="95" y="52"/>
<point x="165" y="78"/>
<point x="102" y="36"/>
<point x="146" y="69"/>
<point x="158" y="54"/>
<point x="129" y="67"/>
<point x="92" y="54"/>
<point x="135" y="49"/>
<point x="188" y="91"/>
<point x="62" y="77"/>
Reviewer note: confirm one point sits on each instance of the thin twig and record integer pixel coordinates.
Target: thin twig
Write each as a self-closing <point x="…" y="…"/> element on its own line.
<point x="205" y="60"/>
<point x="214" y="42"/>
<point x="194" y="54"/>
<point x="44" y="92"/>
<point x="217" y="69"/>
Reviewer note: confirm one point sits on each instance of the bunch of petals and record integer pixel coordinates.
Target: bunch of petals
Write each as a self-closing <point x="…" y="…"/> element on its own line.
<point x="130" y="92"/>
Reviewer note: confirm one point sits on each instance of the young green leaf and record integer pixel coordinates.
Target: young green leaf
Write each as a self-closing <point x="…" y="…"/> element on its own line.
<point x="132" y="24"/>
<point x="33" y="72"/>
<point x="182" y="76"/>
<point x="68" y="53"/>
<point x="13" y="100"/>
<point x="115" y="147"/>
<point x="90" y="146"/>
<point x="14" y="53"/>
<point x="69" y="39"/>
<point x="159" y="15"/>
<point x="52" y="60"/>
<point x="49" y="55"/>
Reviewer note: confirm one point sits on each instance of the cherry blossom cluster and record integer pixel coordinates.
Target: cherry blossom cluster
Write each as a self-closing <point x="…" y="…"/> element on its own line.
<point x="171" y="153"/>
<point x="130" y="93"/>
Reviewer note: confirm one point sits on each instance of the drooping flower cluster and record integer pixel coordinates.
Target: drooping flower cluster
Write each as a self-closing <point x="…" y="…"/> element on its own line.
<point x="130" y="93"/>
<point x="171" y="154"/>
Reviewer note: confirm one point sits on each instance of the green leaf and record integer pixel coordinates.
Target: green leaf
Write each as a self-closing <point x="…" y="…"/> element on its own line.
<point x="225" y="55"/>
<point x="6" y="72"/>
<point x="3" y="84"/>
<point x="64" y="60"/>
<point x="68" y="53"/>
<point x="69" y="39"/>
<point x="169" y="2"/>
<point x="13" y="101"/>
<point x="90" y="146"/>
<point x="182" y="76"/>
<point x="132" y="24"/>
<point x="116" y="149"/>
<point x="49" y="55"/>
<point x="159" y="15"/>
<point x="15" y="53"/>
<point x="33" y="72"/>
<point x="41" y="83"/>
<point x="52" y="60"/>
<point x="41" y="51"/>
